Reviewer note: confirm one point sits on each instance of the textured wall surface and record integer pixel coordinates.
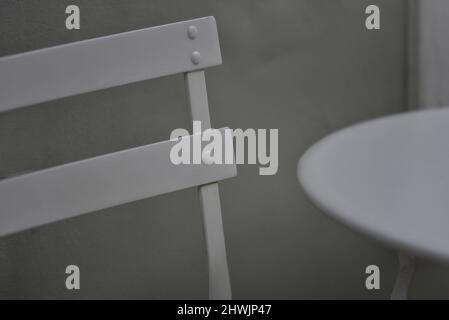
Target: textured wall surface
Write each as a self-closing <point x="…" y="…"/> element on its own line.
<point x="307" y="67"/>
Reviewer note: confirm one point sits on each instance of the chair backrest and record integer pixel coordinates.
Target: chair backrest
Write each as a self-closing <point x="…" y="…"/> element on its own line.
<point x="57" y="193"/>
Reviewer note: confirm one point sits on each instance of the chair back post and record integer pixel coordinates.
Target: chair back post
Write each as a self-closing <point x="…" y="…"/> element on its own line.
<point x="219" y="283"/>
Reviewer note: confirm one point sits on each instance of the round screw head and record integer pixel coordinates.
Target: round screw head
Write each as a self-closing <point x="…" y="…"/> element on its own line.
<point x="207" y="158"/>
<point x="192" y="32"/>
<point x="196" y="57"/>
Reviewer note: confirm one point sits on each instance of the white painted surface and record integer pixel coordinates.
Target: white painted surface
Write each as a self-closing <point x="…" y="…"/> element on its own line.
<point x="388" y="178"/>
<point x="94" y="64"/>
<point x="209" y="196"/>
<point x="72" y="189"/>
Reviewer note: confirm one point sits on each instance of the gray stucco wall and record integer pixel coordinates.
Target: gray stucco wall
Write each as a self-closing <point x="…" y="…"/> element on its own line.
<point x="307" y="67"/>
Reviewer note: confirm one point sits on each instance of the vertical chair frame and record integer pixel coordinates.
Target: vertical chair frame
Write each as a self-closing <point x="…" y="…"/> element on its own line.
<point x="219" y="283"/>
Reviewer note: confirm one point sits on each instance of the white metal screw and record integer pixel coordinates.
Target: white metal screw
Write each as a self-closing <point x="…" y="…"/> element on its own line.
<point x="192" y="32"/>
<point x="196" y="57"/>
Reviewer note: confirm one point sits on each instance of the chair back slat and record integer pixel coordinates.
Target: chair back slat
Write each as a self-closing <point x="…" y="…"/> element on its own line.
<point x="51" y="73"/>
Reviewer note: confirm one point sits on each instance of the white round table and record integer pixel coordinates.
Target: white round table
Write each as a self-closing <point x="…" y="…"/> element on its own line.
<point x="387" y="178"/>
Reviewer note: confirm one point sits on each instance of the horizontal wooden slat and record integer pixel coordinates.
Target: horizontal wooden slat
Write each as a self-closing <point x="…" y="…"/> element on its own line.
<point x="69" y="190"/>
<point x="100" y="63"/>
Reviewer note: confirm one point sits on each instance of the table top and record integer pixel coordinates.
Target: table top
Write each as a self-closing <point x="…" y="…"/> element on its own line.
<point x="388" y="178"/>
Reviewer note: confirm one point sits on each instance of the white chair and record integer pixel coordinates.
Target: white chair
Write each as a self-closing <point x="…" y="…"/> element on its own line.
<point x="65" y="191"/>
